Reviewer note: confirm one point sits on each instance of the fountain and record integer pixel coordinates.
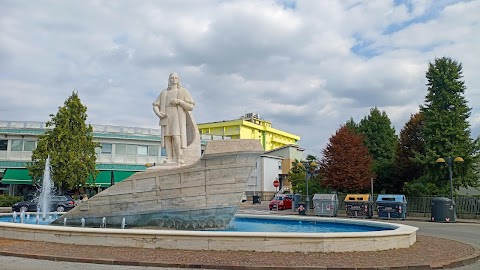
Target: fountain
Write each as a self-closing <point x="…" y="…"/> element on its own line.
<point x="123" y="223"/>
<point x="22" y="216"/>
<point x="83" y="222"/>
<point x="46" y="191"/>
<point x="365" y="235"/>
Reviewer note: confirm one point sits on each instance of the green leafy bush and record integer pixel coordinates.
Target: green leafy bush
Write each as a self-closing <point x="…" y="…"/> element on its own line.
<point x="8" y="201"/>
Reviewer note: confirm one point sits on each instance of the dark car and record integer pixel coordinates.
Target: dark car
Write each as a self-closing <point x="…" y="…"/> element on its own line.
<point x="59" y="203"/>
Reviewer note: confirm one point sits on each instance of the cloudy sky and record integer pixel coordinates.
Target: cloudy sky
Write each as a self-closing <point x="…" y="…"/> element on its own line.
<point x="306" y="66"/>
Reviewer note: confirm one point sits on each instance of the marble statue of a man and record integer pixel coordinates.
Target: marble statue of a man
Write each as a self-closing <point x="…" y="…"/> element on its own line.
<point x="172" y="107"/>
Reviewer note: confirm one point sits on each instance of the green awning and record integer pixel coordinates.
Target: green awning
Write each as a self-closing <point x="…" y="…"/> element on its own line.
<point x="17" y="176"/>
<point x="102" y="180"/>
<point x="122" y="175"/>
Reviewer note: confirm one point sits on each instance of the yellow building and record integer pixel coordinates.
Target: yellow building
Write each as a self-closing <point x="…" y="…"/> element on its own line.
<point x="249" y="126"/>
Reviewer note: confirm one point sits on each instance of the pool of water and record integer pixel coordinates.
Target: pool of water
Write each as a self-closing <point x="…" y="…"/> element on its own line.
<point x="240" y="224"/>
<point x="276" y="225"/>
<point x="30" y="219"/>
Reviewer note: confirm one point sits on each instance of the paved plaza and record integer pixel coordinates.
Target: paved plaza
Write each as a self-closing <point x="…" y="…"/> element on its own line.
<point x="439" y="245"/>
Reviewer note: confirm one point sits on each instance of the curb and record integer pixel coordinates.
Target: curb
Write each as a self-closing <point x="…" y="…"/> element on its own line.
<point x="440" y="265"/>
<point x="460" y="262"/>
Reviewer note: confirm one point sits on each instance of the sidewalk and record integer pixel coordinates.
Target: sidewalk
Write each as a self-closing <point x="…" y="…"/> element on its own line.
<point x="426" y="253"/>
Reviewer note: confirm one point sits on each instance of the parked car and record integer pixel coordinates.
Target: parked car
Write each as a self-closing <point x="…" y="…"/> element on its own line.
<point x="59" y="203"/>
<point x="282" y="202"/>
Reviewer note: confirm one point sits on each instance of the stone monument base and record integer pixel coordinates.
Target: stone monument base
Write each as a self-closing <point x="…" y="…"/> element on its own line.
<point x="202" y="195"/>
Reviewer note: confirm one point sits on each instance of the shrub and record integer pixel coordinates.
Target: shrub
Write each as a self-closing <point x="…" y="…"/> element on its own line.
<point x="8" y="201"/>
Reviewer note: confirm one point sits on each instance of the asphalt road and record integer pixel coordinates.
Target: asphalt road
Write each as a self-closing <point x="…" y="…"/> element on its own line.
<point x="464" y="232"/>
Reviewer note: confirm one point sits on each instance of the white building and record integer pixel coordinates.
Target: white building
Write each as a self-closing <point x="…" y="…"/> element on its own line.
<point x="124" y="151"/>
<point x="273" y="165"/>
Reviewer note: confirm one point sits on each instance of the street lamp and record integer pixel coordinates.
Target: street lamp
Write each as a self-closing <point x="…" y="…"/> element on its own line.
<point x="309" y="166"/>
<point x="449" y="161"/>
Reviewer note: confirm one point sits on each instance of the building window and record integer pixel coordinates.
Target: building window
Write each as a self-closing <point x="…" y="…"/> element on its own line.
<point x="29" y="145"/>
<point x="153" y="150"/>
<point x="142" y="150"/>
<point x="17" y="145"/>
<point x="279" y="165"/>
<point x="3" y="145"/>
<point x="120" y="149"/>
<point x="106" y="148"/>
<point x="131" y="149"/>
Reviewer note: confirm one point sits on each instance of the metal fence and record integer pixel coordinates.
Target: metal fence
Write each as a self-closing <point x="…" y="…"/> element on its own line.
<point x="466" y="207"/>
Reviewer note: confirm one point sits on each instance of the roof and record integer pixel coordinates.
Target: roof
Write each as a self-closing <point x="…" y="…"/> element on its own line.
<point x="285" y="146"/>
<point x="269" y="156"/>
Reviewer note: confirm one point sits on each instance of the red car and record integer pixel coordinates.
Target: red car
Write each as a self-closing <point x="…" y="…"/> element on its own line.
<point x="282" y="201"/>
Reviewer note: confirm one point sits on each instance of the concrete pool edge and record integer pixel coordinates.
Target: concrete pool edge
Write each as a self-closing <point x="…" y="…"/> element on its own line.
<point x="403" y="236"/>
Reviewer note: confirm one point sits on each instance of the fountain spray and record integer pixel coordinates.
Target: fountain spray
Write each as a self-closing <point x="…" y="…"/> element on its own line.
<point x="46" y="192"/>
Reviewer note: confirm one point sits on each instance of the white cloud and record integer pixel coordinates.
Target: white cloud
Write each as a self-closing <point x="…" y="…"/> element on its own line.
<point x="307" y="66"/>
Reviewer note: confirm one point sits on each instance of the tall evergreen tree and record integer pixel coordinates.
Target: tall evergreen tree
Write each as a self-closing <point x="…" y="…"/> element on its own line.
<point x="352" y="125"/>
<point x="68" y="142"/>
<point x="447" y="131"/>
<point x="381" y="140"/>
<point x="346" y="163"/>
<point x="410" y="143"/>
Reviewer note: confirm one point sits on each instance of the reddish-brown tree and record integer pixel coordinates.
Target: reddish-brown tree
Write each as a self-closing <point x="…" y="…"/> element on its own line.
<point x="346" y="165"/>
<point x="410" y="143"/>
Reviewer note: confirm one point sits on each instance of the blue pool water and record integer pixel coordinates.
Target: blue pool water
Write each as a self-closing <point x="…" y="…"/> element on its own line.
<point x="266" y="225"/>
<point x="30" y="219"/>
<point x="259" y="225"/>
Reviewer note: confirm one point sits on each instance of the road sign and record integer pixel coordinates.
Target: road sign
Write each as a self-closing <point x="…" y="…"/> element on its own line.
<point x="276" y="183"/>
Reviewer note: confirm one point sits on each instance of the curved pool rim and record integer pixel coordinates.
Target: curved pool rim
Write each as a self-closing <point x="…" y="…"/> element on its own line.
<point x="399" y="236"/>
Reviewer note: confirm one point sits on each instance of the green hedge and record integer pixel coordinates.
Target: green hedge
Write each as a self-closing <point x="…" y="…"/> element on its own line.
<point x="8" y="201"/>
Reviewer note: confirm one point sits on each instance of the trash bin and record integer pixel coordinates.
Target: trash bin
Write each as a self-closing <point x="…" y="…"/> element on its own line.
<point x="325" y="204"/>
<point x="443" y="210"/>
<point x="297" y="198"/>
<point x="256" y="199"/>
<point x="391" y="206"/>
<point x="359" y="205"/>
<point x="301" y="209"/>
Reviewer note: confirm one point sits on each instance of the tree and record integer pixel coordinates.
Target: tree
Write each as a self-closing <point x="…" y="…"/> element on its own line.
<point x="346" y="163"/>
<point x="352" y="125"/>
<point x="447" y="131"/>
<point x="410" y="143"/>
<point x="68" y="142"/>
<point x="296" y="175"/>
<point x="381" y="140"/>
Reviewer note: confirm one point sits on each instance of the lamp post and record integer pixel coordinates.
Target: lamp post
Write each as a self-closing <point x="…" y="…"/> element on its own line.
<point x="310" y="166"/>
<point x="449" y="161"/>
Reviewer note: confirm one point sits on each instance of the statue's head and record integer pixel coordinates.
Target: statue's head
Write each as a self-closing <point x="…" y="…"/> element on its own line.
<point x="173" y="79"/>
